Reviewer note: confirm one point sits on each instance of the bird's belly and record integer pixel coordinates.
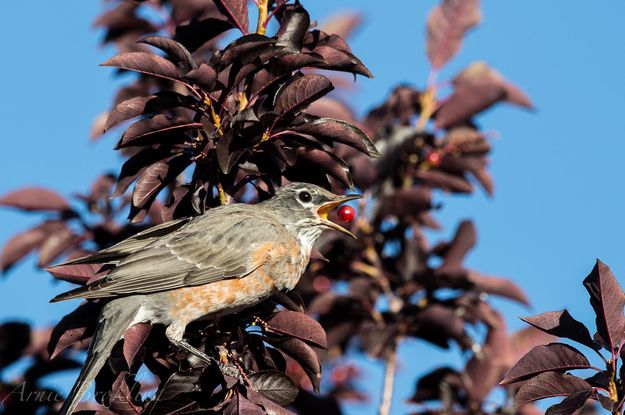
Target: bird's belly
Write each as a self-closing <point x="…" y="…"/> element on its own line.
<point x="220" y="297"/>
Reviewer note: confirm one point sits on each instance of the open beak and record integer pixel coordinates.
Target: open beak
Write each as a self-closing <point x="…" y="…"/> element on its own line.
<point x="323" y="210"/>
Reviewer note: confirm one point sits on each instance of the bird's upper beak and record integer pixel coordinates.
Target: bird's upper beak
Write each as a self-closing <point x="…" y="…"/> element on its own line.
<point x="323" y="210"/>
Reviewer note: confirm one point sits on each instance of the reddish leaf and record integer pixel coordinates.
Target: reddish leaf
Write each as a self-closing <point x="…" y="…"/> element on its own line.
<point x="463" y="241"/>
<point x="342" y="24"/>
<point x="236" y="10"/>
<point x="326" y="162"/>
<point x="522" y="341"/>
<point x="552" y="357"/>
<point x="298" y="94"/>
<point x="562" y="324"/>
<point x="56" y="244"/>
<point x="156" y="125"/>
<point x="302" y="354"/>
<point x="449" y="182"/>
<point x="136" y="165"/>
<point x="134" y="337"/>
<point x="35" y="198"/>
<point x="146" y="63"/>
<point x="549" y="385"/>
<point x="204" y="76"/>
<point x="23" y="243"/>
<point x="446" y="27"/>
<point x="126" y="110"/>
<point x="570" y="404"/>
<point x="498" y="286"/>
<point x="485" y="369"/>
<point x="294" y="24"/>
<point x="15" y="337"/>
<point x="341" y="132"/>
<point x="608" y="300"/>
<point x="176" y="52"/>
<point x="155" y="178"/>
<point x="74" y="327"/>
<point x="300" y="325"/>
<point x="240" y="405"/>
<point x="124" y="398"/>
<point x="274" y="385"/>
<point x="476" y="88"/>
<point x="76" y="273"/>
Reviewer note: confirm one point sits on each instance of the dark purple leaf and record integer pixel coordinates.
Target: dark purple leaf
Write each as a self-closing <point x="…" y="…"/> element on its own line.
<point x="126" y="110"/>
<point x="498" y="286"/>
<point x="56" y="244"/>
<point x="196" y="33"/>
<point x="485" y="369"/>
<point x="14" y="339"/>
<point x="146" y="63"/>
<point x="35" y="198"/>
<point x="244" y="50"/>
<point x="124" y="398"/>
<point x="463" y="241"/>
<point x="155" y="178"/>
<point x="134" y="337"/>
<point x="76" y="273"/>
<point x="570" y="404"/>
<point x="607" y="299"/>
<point x="562" y="324"/>
<point x="268" y="405"/>
<point x="236" y="10"/>
<point x="302" y="354"/>
<point x="23" y="243"/>
<point x="240" y="405"/>
<point x="176" y="52"/>
<point x="298" y="94"/>
<point x="340" y="60"/>
<point x="294" y="24"/>
<point x="549" y="385"/>
<point x="204" y="76"/>
<point x="157" y="125"/>
<point x="321" y="160"/>
<point x="274" y="385"/>
<point x="42" y="368"/>
<point x="445" y="181"/>
<point x="134" y="166"/>
<point x="300" y="325"/>
<point x="557" y="357"/>
<point x="341" y="132"/>
<point x="74" y="327"/>
<point x="430" y="386"/>
<point x="446" y="27"/>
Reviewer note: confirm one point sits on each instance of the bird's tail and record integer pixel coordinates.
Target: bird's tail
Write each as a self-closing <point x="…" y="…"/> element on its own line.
<point x="115" y="318"/>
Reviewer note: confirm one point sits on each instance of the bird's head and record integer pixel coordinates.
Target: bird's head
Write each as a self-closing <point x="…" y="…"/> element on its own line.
<point x="305" y="207"/>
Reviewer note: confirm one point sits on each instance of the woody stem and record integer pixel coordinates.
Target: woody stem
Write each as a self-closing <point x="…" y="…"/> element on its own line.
<point x="389" y="381"/>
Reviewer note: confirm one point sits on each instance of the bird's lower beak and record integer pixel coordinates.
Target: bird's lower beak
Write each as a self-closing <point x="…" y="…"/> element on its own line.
<point x="323" y="210"/>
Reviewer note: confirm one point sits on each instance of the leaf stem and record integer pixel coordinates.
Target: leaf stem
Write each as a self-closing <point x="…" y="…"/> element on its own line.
<point x="428" y="100"/>
<point x="263" y="10"/>
<point x="389" y="380"/>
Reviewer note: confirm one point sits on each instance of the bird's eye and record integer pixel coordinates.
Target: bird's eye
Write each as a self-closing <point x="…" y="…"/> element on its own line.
<point x="305" y="196"/>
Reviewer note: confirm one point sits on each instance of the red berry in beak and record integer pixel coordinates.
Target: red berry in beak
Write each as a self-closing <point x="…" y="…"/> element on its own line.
<point x="346" y="213"/>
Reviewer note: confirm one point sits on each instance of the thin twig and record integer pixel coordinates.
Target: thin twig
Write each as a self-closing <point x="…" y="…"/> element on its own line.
<point x="389" y="380"/>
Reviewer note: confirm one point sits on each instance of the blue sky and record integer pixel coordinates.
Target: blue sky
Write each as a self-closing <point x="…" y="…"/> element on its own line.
<point x="559" y="177"/>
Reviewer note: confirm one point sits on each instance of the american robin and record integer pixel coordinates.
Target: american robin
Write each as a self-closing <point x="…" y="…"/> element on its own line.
<point x="228" y="259"/>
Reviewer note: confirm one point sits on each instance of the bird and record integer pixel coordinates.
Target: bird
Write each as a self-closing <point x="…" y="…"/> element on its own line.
<point x="230" y="258"/>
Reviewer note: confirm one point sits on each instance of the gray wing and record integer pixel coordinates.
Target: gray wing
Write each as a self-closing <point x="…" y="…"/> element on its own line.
<point x="136" y="242"/>
<point x="208" y="248"/>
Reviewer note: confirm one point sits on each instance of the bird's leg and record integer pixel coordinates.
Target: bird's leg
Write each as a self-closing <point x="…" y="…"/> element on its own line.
<point x="174" y="333"/>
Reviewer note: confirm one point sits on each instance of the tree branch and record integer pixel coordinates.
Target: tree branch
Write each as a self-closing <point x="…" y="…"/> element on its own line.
<point x="389" y="381"/>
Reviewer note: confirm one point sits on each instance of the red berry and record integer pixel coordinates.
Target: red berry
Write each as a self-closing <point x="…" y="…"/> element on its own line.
<point x="434" y="158"/>
<point x="346" y="213"/>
